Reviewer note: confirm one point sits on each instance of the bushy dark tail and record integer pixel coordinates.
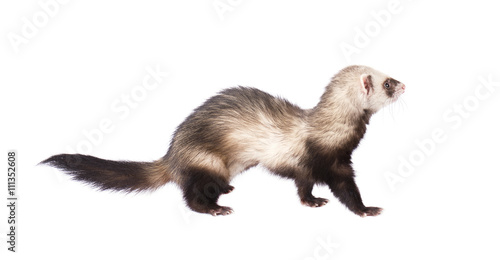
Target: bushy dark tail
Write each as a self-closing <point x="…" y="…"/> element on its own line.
<point x="112" y="175"/>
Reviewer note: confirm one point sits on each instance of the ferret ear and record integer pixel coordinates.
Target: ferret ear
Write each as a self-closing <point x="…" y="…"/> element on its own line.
<point x="366" y="83"/>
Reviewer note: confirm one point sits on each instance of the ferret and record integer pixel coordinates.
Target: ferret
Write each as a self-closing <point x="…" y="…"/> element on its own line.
<point x="242" y="127"/>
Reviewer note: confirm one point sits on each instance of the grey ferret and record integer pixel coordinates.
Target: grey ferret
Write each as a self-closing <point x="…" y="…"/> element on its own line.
<point x="243" y="127"/>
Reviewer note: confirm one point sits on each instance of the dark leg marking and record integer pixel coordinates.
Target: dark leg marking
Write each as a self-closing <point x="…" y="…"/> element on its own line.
<point x="305" y="194"/>
<point x="227" y="189"/>
<point x="202" y="190"/>
<point x="346" y="190"/>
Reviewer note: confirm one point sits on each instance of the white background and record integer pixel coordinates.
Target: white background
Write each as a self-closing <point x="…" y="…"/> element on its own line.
<point x="64" y="78"/>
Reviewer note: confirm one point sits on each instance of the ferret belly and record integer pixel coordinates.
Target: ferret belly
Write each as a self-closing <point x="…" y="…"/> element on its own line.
<point x="268" y="146"/>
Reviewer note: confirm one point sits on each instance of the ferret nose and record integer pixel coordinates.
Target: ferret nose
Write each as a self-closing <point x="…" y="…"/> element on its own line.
<point x="403" y="86"/>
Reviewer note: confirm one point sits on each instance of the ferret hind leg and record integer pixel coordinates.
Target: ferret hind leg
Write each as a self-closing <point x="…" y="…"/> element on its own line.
<point x="202" y="189"/>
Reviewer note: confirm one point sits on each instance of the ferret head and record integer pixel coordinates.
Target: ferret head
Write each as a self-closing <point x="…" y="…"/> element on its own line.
<point x="369" y="88"/>
<point x="378" y="90"/>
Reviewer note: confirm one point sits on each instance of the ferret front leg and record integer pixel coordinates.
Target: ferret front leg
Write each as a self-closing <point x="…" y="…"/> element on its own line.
<point x="305" y="193"/>
<point x="345" y="189"/>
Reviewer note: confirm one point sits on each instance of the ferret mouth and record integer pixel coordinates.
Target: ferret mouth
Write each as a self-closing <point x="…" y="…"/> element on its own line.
<point x="400" y="91"/>
<point x="397" y="94"/>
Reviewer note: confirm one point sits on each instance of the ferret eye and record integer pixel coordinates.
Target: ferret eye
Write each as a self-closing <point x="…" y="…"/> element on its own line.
<point x="386" y="85"/>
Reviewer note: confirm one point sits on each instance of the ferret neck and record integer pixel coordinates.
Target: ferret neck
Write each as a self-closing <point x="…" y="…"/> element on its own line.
<point x="339" y="115"/>
<point x="338" y="105"/>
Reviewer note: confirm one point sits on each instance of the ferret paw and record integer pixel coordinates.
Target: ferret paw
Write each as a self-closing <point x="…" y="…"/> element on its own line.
<point x="227" y="189"/>
<point x="314" y="202"/>
<point x="370" y="211"/>
<point x="220" y="211"/>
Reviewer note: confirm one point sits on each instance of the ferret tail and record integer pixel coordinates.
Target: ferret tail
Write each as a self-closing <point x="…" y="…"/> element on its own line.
<point x="112" y="175"/>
